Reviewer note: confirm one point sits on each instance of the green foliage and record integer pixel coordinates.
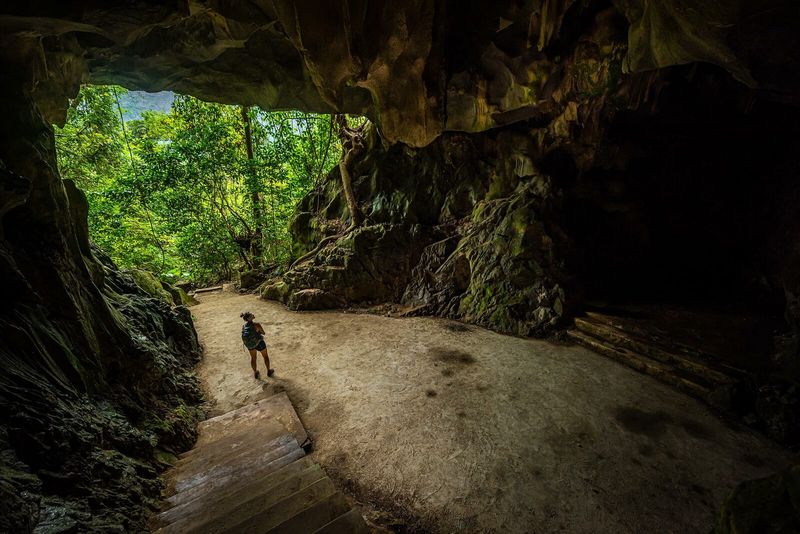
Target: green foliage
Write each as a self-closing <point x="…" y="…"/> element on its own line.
<point x="177" y="193"/>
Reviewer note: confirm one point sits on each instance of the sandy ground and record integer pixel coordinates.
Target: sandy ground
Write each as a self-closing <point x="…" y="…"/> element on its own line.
<point x="469" y="430"/>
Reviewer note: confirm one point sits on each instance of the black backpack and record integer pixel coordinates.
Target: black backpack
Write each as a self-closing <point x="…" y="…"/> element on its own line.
<point x="250" y="335"/>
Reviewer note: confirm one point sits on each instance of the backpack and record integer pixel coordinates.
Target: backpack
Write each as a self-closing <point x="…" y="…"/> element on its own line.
<point x="250" y="336"/>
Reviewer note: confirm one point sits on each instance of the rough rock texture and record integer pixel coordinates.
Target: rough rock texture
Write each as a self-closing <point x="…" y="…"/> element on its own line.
<point x="249" y="279"/>
<point x="477" y="239"/>
<point x="95" y="372"/>
<point x="463" y="67"/>
<point x="769" y="504"/>
<point x="528" y="155"/>
<point x="151" y="285"/>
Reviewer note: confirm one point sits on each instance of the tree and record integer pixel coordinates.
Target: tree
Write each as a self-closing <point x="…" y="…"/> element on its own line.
<point x="195" y="193"/>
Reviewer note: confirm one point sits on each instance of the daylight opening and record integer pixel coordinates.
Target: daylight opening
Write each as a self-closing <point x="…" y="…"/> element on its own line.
<point x="191" y="190"/>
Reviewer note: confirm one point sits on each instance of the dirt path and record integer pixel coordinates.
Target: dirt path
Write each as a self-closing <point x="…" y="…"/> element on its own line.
<point x="474" y="431"/>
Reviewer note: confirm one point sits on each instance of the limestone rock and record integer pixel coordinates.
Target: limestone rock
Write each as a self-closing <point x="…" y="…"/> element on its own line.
<point x="250" y="279"/>
<point x="150" y="284"/>
<point x="95" y="370"/>
<point x="179" y="296"/>
<point x="338" y="56"/>
<point x="275" y="289"/>
<point x="769" y="504"/>
<point x="312" y="299"/>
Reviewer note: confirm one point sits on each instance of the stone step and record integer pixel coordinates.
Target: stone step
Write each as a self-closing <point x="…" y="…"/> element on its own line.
<point x="227" y="512"/>
<point x="314" y="517"/>
<point x="238" y="491"/>
<point x="285" y="509"/>
<point x="617" y="336"/>
<point x="351" y="522"/>
<point x="234" y="477"/>
<point x="664" y="372"/>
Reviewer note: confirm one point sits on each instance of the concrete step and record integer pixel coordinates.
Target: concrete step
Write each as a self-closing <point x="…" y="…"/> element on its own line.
<point x="285" y="509"/>
<point x="622" y="338"/>
<point x="226" y="513"/>
<point x="664" y="372"/>
<point x="234" y="477"/>
<point x="314" y="517"/>
<point x="239" y="491"/>
<point x="351" y="522"/>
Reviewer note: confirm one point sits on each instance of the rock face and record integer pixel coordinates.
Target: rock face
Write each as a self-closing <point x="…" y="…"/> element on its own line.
<point x="465" y="68"/>
<point x="477" y="239"/>
<point x="96" y="374"/>
<point x="526" y="157"/>
<point x="769" y="504"/>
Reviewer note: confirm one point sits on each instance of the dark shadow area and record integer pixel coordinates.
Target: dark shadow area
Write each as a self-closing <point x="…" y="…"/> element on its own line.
<point x="680" y="225"/>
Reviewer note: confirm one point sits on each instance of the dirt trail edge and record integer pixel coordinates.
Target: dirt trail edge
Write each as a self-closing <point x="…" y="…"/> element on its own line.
<point x="475" y="431"/>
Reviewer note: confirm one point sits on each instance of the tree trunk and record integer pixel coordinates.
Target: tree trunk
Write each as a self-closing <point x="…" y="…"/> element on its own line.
<point x="347" y="186"/>
<point x="351" y="146"/>
<point x="252" y="186"/>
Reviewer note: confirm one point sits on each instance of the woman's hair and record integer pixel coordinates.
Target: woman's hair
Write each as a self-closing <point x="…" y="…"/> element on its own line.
<point x="246" y="316"/>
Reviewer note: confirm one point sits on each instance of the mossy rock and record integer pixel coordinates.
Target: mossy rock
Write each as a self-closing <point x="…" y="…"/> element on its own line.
<point x="184" y="297"/>
<point x="151" y="285"/>
<point x="276" y="290"/>
<point x="250" y="279"/>
<point x="313" y="299"/>
<point x="164" y="458"/>
<point x="179" y="295"/>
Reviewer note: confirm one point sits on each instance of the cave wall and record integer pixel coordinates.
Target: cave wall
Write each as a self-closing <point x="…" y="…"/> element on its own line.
<point x="491" y="127"/>
<point x="477" y="239"/>
<point x="95" y="373"/>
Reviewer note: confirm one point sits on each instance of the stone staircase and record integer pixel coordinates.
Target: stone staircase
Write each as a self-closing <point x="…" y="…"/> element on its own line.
<point x="249" y="473"/>
<point x="679" y="366"/>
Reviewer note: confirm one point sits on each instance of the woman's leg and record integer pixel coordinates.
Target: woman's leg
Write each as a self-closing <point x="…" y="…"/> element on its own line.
<point x="265" y="354"/>
<point x="253" y="361"/>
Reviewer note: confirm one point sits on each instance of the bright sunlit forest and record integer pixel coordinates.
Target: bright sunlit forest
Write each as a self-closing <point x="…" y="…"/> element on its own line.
<point x="197" y="192"/>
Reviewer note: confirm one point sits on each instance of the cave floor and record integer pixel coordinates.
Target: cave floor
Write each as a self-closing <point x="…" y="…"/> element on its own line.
<point x="461" y="428"/>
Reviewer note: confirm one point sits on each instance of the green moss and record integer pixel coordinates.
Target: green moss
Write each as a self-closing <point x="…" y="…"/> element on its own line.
<point x="164" y="458"/>
<point x="150" y="285"/>
<point x="276" y="290"/>
<point x="186" y="300"/>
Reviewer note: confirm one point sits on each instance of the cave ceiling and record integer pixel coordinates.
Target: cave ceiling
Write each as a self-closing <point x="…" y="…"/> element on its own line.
<point x="416" y="67"/>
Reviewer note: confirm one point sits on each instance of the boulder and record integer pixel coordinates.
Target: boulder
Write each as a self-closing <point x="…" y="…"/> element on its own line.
<point x="250" y="279"/>
<point x="179" y="296"/>
<point x="313" y="299"/>
<point x="276" y="289"/>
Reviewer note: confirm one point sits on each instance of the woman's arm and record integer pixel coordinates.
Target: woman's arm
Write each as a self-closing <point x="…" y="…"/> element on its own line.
<point x="260" y="329"/>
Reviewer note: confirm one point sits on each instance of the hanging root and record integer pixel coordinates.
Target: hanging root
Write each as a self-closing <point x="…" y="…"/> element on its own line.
<point x="352" y="140"/>
<point x="322" y="244"/>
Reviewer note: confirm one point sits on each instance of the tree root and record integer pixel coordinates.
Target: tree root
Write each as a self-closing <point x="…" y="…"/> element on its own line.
<point x="322" y="244"/>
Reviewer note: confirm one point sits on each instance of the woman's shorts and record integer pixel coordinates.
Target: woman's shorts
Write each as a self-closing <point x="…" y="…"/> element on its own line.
<point x="262" y="345"/>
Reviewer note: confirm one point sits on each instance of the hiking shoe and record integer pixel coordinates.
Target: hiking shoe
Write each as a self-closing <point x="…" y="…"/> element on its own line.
<point x="271" y="372"/>
<point x="257" y="375"/>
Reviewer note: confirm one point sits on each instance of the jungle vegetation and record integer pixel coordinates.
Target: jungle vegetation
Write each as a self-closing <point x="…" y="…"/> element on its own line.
<point x="198" y="192"/>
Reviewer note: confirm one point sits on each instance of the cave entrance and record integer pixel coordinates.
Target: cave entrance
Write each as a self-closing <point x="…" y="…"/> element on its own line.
<point x="191" y="190"/>
<point x="670" y="230"/>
